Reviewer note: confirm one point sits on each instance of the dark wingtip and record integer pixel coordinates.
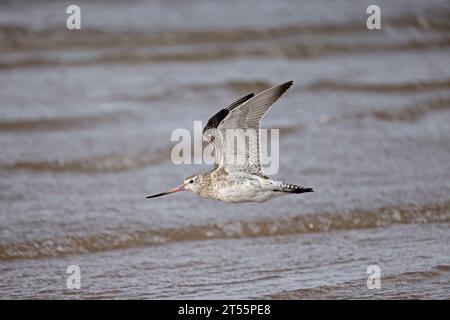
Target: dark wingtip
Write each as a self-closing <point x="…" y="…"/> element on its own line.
<point x="285" y="86"/>
<point x="288" y="83"/>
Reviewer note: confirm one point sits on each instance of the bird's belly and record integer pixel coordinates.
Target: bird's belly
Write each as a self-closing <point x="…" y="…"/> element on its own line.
<point x="240" y="194"/>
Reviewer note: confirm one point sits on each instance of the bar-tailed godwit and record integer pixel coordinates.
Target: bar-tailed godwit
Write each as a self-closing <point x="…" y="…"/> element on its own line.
<point x="238" y="175"/>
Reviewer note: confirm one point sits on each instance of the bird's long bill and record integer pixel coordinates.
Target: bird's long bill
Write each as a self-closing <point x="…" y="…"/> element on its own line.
<point x="177" y="189"/>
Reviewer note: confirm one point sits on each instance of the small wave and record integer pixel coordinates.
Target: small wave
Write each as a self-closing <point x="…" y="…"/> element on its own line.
<point x="309" y="51"/>
<point x="382" y="87"/>
<point x="61" y="123"/>
<point x="99" y="164"/>
<point x="121" y="239"/>
<point x="408" y="285"/>
<point x="407" y="114"/>
<point x="18" y="37"/>
<point x="300" y="50"/>
<point x="235" y="86"/>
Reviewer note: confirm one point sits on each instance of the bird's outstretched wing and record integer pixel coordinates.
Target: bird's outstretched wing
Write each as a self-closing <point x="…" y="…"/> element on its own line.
<point x="240" y="122"/>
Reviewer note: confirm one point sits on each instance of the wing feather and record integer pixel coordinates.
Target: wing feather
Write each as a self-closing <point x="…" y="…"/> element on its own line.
<point x="250" y="113"/>
<point x="216" y="119"/>
<point x="244" y="116"/>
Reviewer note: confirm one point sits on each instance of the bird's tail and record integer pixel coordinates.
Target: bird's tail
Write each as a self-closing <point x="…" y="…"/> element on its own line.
<point x="292" y="188"/>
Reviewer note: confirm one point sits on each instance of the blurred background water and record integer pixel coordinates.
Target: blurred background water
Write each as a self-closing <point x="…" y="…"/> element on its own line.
<point x="85" y="123"/>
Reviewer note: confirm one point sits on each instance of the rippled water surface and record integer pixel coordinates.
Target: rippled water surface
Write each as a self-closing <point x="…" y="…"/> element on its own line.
<point x="85" y="123"/>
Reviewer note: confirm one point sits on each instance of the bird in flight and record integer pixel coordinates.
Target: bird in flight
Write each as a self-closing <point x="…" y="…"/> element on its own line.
<point x="238" y="175"/>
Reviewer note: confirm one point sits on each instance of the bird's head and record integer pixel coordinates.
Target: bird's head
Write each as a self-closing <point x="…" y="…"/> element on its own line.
<point x="191" y="183"/>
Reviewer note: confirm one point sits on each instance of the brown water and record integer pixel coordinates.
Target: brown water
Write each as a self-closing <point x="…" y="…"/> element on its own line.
<point x="85" y="124"/>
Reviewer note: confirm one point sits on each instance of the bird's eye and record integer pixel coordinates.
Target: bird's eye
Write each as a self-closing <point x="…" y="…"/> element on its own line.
<point x="191" y="181"/>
